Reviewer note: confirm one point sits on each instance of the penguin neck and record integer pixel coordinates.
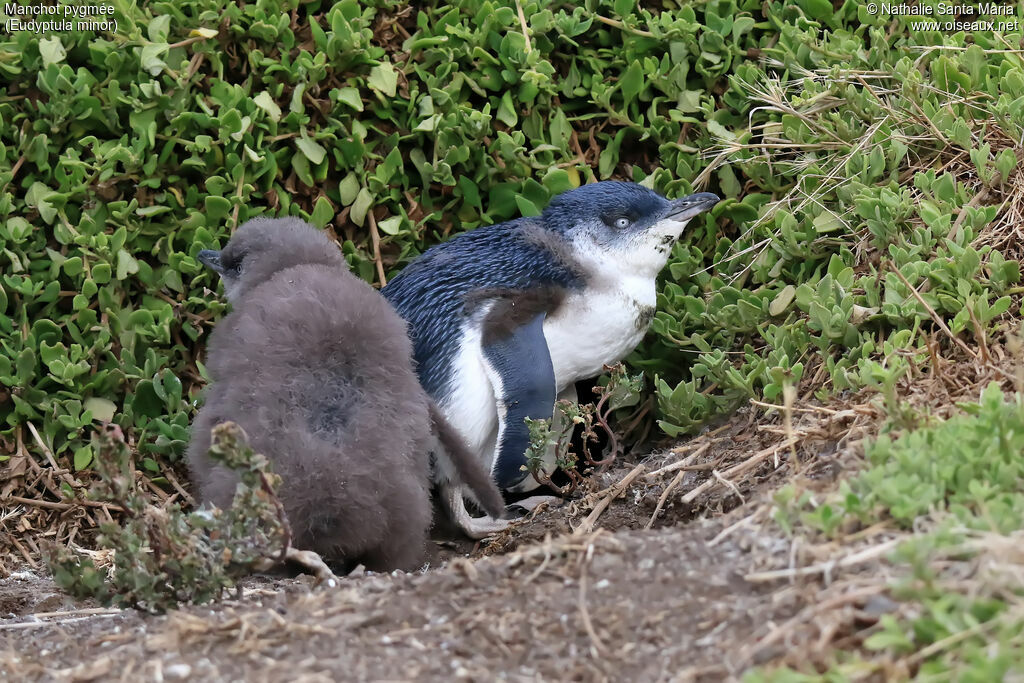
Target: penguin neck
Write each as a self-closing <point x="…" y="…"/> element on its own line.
<point x="643" y="263"/>
<point x="631" y="261"/>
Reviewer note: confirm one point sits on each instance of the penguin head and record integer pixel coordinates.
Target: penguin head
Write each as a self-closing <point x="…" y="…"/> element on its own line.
<point x="264" y="246"/>
<point x="626" y="222"/>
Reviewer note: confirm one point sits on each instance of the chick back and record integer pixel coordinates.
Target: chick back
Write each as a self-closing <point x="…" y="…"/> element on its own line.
<point x="316" y="367"/>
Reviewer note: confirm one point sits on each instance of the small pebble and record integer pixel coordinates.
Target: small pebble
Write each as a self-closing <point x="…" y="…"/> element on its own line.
<point x="178" y="671"/>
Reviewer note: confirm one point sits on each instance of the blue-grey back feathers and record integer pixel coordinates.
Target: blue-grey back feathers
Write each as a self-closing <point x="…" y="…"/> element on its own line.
<point x="433" y="291"/>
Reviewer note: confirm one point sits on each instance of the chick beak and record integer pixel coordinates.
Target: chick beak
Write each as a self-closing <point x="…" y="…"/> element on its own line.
<point x="686" y="208"/>
<point x="211" y="259"/>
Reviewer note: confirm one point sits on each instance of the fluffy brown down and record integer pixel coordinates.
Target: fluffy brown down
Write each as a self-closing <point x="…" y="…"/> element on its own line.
<point x="316" y="367"/>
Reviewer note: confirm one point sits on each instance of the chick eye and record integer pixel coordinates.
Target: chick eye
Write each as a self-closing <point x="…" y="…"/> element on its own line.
<point x="621" y="223"/>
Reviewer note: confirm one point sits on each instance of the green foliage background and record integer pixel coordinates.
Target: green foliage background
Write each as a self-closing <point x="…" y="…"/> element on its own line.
<point x="122" y="156"/>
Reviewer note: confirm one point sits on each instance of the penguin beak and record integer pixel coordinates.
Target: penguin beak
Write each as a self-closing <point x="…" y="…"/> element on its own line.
<point x="211" y="259"/>
<point x="686" y="208"/>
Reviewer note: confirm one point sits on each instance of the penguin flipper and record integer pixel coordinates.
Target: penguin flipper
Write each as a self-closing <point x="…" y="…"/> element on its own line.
<point x="520" y="366"/>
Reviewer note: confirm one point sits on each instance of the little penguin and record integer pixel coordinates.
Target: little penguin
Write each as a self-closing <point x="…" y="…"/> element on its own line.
<point x="316" y="367"/>
<point x="506" y="318"/>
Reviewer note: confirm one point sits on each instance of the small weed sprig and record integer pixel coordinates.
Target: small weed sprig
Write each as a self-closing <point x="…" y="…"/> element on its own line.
<point x="621" y="391"/>
<point x="159" y="558"/>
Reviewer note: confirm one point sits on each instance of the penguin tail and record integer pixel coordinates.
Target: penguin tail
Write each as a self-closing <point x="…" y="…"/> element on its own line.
<point x="468" y="469"/>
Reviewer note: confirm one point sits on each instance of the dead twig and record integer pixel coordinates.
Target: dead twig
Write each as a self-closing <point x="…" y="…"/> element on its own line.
<point x="935" y="316"/>
<point x="664" y="496"/>
<point x="721" y="535"/>
<point x="837" y="414"/>
<point x="63" y="506"/>
<point x="806" y="616"/>
<point x="613" y="492"/>
<point x="860" y="557"/>
<point x="523" y="25"/>
<point x="588" y="626"/>
<point x="375" y="240"/>
<point x="622" y="27"/>
<point x="683" y="464"/>
<point x="727" y="483"/>
<point x="748" y="464"/>
<point x="49" y="457"/>
<point x="58" y="622"/>
<point x="975" y="201"/>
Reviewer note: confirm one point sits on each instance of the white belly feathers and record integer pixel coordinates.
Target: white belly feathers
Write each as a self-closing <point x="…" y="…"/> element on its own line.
<point x="600" y="325"/>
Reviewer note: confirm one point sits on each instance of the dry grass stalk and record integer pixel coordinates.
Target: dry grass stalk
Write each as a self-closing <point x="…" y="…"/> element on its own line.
<point x="611" y="493"/>
<point x="737" y="470"/>
<point x="909" y="125"/>
<point x="826" y="568"/>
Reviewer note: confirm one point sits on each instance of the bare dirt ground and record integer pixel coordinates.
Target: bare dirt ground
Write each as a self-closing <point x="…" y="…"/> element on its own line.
<point x="582" y="592"/>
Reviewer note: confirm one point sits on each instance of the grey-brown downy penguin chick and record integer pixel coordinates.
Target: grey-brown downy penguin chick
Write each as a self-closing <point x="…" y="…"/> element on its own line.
<point x="316" y="367"/>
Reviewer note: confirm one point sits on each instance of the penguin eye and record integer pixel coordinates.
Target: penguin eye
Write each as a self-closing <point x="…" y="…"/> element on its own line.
<point x="622" y="223"/>
<point x="234" y="266"/>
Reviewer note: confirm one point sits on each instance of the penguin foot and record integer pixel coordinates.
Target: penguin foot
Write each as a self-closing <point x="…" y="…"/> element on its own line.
<point x="482" y="527"/>
<point x="308" y="560"/>
<point x="523" y="507"/>
<point x="474" y="527"/>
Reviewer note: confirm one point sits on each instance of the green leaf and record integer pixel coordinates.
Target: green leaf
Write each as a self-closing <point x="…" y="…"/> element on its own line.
<point x="312" y="149"/>
<point x="360" y="206"/>
<point x="51" y="50"/>
<point x="350" y="97"/>
<point x="782" y="300"/>
<point x="17" y="229"/>
<point x="83" y="458"/>
<point x="391" y="226"/>
<point x="151" y="58"/>
<point x="945" y="187"/>
<point x="159" y="27"/>
<point x="126" y="264"/>
<point x="557" y="181"/>
<point x="265" y="102"/>
<point x="947" y="76"/>
<point x="689" y="101"/>
<point x="526" y="207"/>
<point x="826" y="221"/>
<point x="632" y="82"/>
<point x="507" y="111"/>
<point x="323" y="212"/>
<point x="384" y="79"/>
<point x="348" y="188"/>
<point x="102" y="409"/>
<point x="718" y="130"/>
<point x="41" y="198"/>
<point x="817" y="9"/>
